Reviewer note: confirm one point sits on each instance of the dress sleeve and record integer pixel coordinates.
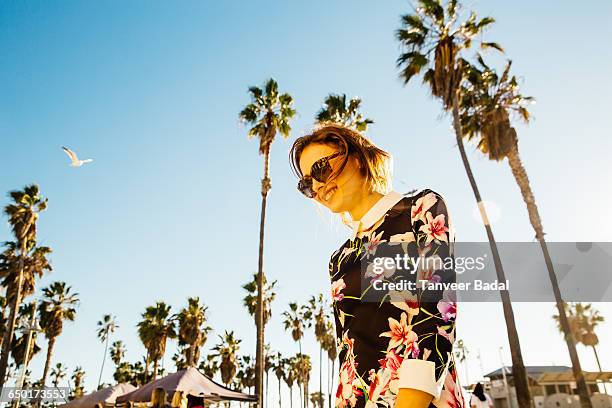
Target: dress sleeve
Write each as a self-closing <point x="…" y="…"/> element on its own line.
<point x="426" y="367"/>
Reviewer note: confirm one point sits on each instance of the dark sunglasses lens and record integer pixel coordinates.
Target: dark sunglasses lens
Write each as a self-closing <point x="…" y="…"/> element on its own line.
<point x="305" y="187"/>
<point x="321" y="170"/>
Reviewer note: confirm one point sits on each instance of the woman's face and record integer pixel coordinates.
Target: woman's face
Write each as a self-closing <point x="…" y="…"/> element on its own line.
<point x="341" y="192"/>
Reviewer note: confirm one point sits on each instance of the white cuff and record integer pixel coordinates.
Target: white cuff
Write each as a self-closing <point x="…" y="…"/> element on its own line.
<point x="421" y="375"/>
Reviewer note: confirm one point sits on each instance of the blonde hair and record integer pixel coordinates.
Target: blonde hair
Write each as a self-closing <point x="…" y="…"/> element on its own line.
<point x="178" y="399"/>
<point x="373" y="161"/>
<point x="158" y="398"/>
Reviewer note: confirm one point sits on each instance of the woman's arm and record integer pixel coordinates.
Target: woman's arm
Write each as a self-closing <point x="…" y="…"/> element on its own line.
<point x="411" y="398"/>
<point x="423" y="370"/>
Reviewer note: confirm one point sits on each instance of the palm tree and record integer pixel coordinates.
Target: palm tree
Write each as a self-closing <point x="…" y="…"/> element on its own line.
<point x="192" y="331"/>
<point x="58" y="304"/>
<point x="337" y="110"/>
<point x="488" y="101"/>
<point x="23" y="214"/>
<point x="296" y="319"/>
<point x="58" y="374"/>
<point x="303" y="367"/>
<point x="434" y="38"/>
<point x="583" y="319"/>
<point x="226" y="351"/>
<point x="250" y="299"/>
<point x="78" y="378"/>
<point x="317" y="399"/>
<point x="279" y="366"/>
<point x="209" y="366"/>
<point x="18" y="349"/>
<point x="268" y="364"/>
<point x="154" y="330"/>
<point x="291" y="376"/>
<point x="117" y="352"/>
<point x="268" y="113"/>
<point x="106" y="326"/>
<point x="316" y="306"/>
<point x="329" y="345"/>
<point x="246" y="373"/>
<point x="35" y="265"/>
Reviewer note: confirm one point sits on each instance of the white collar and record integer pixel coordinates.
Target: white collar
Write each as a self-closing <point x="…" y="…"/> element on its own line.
<point x="375" y="213"/>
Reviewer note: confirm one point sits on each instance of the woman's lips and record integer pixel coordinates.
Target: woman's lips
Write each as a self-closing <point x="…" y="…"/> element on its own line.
<point x="329" y="194"/>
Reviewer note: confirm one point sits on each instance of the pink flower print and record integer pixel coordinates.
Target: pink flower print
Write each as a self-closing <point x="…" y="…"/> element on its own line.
<point x="421" y="206"/>
<point x="400" y="334"/>
<point x="336" y="290"/>
<point x="435" y="228"/>
<point x="447" y="306"/>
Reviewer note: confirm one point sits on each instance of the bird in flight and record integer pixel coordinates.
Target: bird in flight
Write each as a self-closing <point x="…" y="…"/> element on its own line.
<point x="75" y="161"/>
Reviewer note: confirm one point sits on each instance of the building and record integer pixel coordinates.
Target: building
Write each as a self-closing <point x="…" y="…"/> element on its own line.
<point x="550" y="387"/>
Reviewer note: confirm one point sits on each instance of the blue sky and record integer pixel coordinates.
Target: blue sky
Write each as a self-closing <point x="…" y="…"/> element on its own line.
<point x="170" y="207"/>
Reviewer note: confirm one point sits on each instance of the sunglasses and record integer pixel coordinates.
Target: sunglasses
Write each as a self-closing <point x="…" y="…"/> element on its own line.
<point x="320" y="171"/>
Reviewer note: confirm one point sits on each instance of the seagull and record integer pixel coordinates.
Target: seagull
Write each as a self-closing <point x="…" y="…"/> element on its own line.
<point x="75" y="160"/>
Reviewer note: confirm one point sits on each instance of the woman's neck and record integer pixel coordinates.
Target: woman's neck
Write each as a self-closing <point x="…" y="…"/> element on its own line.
<point x="364" y="204"/>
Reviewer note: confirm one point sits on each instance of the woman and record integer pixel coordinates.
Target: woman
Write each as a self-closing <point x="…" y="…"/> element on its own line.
<point x="480" y="399"/>
<point x="397" y="352"/>
<point x="159" y="398"/>
<point x="179" y="400"/>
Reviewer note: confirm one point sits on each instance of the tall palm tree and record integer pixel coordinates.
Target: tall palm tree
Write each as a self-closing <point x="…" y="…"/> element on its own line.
<point x="58" y="304"/>
<point x="106" y="327"/>
<point x="303" y="367"/>
<point x="23" y="213"/>
<point x="250" y="299"/>
<point x="291" y="376"/>
<point x="35" y="264"/>
<point x="154" y="330"/>
<point x="488" y="101"/>
<point x="317" y="399"/>
<point x="117" y="352"/>
<point x="78" y="379"/>
<point x="336" y="110"/>
<point x="18" y="350"/>
<point x="268" y="113"/>
<point x="296" y="319"/>
<point x="329" y="345"/>
<point x="246" y="373"/>
<point x="279" y="367"/>
<point x="583" y="319"/>
<point x="58" y="374"/>
<point x="193" y="331"/>
<point x="209" y="366"/>
<point x="317" y="306"/>
<point x="227" y="352"/>
<point x="434" y="38"/>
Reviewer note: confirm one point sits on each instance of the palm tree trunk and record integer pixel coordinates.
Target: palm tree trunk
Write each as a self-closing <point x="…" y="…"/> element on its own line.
<point x="280" y="401"/>
<point x="518" y="367"/>
<point x="155" y="365"/>
<point x="50" y="345"/>
<point x="12" y="322"/>
<point x="329" y="383"/>
<point x="259" y="356"/>
<point x="597" y="358"/>
<point x="520" y="175"/>
<point x="267" y="388"/>
<point x="321" y="375"/>
<point x="103" y="360"/>
<point x="291" y="397"/>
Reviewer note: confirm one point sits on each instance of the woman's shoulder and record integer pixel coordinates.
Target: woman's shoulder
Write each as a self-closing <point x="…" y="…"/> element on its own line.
<point x="415" y="201"/>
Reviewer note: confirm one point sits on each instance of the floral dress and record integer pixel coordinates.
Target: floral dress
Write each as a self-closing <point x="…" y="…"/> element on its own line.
<point x="375" y="338"/>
